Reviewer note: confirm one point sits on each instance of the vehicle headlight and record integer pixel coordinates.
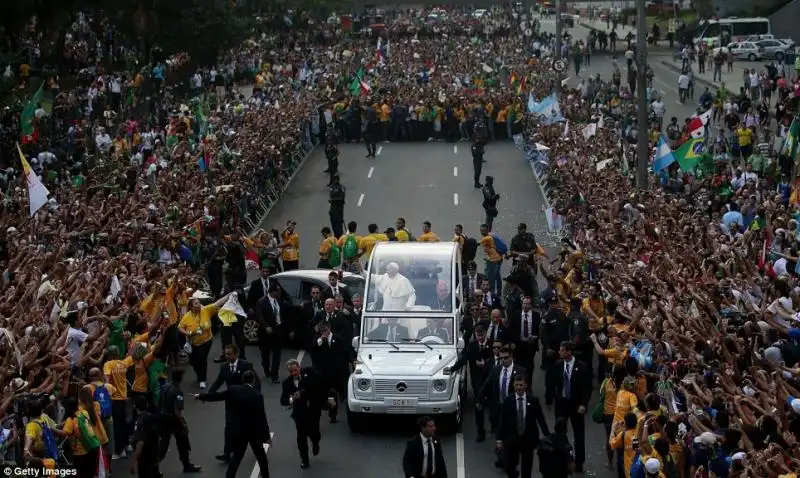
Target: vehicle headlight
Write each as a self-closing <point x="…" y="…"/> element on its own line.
<point x="363" y="384"/>
<point x="439" y="385"/>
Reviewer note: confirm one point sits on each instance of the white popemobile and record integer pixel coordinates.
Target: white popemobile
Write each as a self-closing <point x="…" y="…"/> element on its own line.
<point x="409" y="335"/>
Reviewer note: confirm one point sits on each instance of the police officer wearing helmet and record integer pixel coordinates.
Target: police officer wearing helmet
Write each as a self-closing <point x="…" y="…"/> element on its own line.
<point x="171" y="404"/>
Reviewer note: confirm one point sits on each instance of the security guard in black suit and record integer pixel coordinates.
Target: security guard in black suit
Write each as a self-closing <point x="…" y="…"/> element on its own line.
<point x="332" y="154"/>
<point x="478" y="354"/>
<point x="171" y="403"/>
<point x="477" y="164"/>
<point x="336" y="199"/>
<point x="304" y="391"/>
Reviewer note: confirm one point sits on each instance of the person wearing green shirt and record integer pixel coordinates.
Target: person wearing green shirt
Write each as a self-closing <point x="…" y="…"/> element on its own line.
<point x="756" y="161"/>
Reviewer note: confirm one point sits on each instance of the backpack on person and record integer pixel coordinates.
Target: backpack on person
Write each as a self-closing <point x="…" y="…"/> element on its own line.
<point x="350" y="249"/>
<point x="500" y="245"/>
<point x="102" y="397"/>
<point x="334" y="255"/>
<point x="411" y="237"/>
<point x="86" y="433"/>
<point x="48" y="440"/>
<point x="469" y="250"/>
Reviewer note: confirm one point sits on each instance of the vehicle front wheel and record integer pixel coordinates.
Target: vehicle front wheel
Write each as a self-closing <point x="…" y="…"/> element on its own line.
<point x="455" y="420"/>
<point x="250" y="330"/>
<point x="751" y="57"/>
<point x="356" y="421"/>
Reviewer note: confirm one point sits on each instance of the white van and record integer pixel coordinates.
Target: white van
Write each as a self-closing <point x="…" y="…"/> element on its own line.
<point x="409" y="335"/>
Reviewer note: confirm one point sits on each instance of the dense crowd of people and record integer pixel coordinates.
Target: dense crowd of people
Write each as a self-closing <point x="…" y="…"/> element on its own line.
<point x="685" y="291"/>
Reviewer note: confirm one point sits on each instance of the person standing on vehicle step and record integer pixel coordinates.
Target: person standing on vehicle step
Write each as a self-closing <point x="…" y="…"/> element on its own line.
<point x="477" y="164"/>
<point x="336" y="199"/>
<point x="490" y="198"/>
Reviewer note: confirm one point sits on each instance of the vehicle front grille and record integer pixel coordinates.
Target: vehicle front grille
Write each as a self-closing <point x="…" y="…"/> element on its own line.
<point x="414" y="388"/>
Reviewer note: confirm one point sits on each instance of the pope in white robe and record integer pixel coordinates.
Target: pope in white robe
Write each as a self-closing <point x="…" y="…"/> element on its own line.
<point x="397" y="292"/>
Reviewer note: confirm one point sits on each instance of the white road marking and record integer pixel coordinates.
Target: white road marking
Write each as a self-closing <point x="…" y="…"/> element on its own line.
<point x="256" y="468"/>
<point x="378" y="151"/>
<point x="360" y="199"/>
<point x="300" y="356"/>
<point x="461" y="469"/>
<point x="455" y="149"/>
<point x="455" y="170"/>
<point x="369" y="174"/>
<point x="455" y="199"/>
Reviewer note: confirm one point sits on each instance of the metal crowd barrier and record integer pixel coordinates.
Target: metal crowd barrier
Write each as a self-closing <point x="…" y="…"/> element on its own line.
<point x="538" y="161"/>
<point x="267" y="193"/>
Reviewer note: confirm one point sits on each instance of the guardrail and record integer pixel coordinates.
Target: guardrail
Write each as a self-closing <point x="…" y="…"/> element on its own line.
<point x="266" y="192"/>
<point x="538" y="160"/>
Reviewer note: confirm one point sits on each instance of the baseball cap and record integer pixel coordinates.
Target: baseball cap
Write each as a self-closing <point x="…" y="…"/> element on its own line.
<point x="652" y="465"/>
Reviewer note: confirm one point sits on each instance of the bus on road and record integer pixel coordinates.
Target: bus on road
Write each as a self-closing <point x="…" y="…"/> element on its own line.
<point x="723" y="31"/>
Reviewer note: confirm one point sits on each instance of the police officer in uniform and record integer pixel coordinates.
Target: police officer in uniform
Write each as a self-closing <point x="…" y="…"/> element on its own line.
<point x="336" y="196"/>
<point x="480" y="132"/>
<point x="477" y="164"/>
<point x="171" y="402"/>
<point x="372" y="133"/>
<point x="332" y="153"/>
<point x="490" y="198"/>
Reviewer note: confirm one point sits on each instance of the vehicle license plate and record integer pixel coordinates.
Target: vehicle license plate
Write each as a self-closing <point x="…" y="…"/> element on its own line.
<point x="401" y="402"/>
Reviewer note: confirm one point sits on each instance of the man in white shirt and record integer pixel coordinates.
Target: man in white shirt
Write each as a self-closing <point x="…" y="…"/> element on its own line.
<point x="423" y="456"/>
<point x="683" y="87"/>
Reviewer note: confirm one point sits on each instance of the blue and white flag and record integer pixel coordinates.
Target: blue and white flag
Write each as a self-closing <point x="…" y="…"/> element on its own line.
<point x="533" y="105"/>
<point x="549" y="110"/>
<point x="663" y="156"/>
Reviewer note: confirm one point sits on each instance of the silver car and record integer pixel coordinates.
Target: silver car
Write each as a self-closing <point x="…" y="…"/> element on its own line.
<point x="773" y="48"/>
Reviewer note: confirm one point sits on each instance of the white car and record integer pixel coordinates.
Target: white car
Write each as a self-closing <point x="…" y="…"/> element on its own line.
<point x="409" y="336"/>
<point x="775" y="48"/>
<point x="746" y="50"/>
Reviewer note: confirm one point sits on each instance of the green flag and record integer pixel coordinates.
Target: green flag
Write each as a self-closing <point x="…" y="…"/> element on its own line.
<point x="355" y="85"/>
<point x="26" y="118"/>
<point x="157" y="370"/>
<point x="789" y="147"/>
<point x="690" y="153"/>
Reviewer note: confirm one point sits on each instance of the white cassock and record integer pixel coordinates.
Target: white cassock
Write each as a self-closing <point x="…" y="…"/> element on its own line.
<point x="397" y="291"/>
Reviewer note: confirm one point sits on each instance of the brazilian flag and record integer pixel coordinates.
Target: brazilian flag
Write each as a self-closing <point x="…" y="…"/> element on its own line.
<point x="690" y="153"/>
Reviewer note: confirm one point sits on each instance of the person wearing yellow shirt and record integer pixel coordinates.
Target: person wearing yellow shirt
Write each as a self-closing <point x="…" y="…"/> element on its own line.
<point x="428" y="235"/>
<point x="290" y="248"/>
<point x="368" y="242"/>
<point x="401" y="231"/>
<point x="459" y="237"/>
<point x="116" y="371"/>
<point x="502" y="118"/>
<point x="609" y="389"/>
<point x="328" y="240"/>
<point x="627" y="401"/>
<point x="96" y="378"/>
<point x="196" y="326"/>
<point x="493" y="259"/>
<point x="37" y="420"/>
<point x="79" y="428"/>
<point x="624" y="440"/>
<point x="744" y="135"/>
<point x="384" y="114"/>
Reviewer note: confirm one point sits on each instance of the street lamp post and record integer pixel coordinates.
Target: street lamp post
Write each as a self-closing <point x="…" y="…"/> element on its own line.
<point x="642" y="141"/>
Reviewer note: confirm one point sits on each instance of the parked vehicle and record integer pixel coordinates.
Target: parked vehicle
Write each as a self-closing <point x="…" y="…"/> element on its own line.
<point x="746" y="50"/>
<point x="297" y="286"/>
<point x="776" y="49"/>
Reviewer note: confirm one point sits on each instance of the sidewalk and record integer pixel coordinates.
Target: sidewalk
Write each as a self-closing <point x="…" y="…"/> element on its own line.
<point x="622" y="31"/>
<point x="733" y="80"/>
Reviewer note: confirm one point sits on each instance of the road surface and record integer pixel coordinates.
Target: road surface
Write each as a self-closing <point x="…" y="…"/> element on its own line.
<point x="418" y="181"/>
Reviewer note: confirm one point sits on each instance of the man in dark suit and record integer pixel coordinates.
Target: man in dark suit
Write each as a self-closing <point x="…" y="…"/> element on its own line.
<point x="518" y="433"/>
<point x="489" y="298"/>
<point x="435" y="328"/>
<point x="358" y="312"/>
<point x="423" y="457"/>
<point x="338" y="322"/>
<point x="332" y="356"/>
<point x="248" y="418"/>
<point x="498" y="385"/>
<point x="335" y="288"/>
<point x="569" y="382"/>
<point x="478" y="353"/>
<point x="523" y="331"/>
<point x="472" y="279"/>
<point x="496" y="326"/>
<point x="272" y="330"/>
<point x="311" y="310"/>
<point x="390" y="332"/>
<point x="305" y="392"/>
<point x="258" y="289"/>
<point x="230" y="373"/>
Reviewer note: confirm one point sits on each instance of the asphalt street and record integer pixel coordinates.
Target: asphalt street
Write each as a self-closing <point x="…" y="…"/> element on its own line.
<point x="418" y="181"/>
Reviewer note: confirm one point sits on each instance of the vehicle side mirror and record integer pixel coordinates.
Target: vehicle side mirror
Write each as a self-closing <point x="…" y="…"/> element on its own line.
<point x="355" y="343"/>
<point x="460" y="344"/>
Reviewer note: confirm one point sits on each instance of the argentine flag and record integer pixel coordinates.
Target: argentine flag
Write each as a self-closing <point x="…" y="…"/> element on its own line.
<point x="663" y="156"/>
<point x="533" y="105"/>
<point x="550" y="110"/>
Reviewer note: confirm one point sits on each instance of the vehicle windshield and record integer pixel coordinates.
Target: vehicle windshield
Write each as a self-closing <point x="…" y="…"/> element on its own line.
<point x="418" y="281"/>
<point x="408" y="330"/>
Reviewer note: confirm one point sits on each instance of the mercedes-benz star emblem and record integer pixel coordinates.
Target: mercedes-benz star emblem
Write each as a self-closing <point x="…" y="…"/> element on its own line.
<point x="401" y="387"/>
